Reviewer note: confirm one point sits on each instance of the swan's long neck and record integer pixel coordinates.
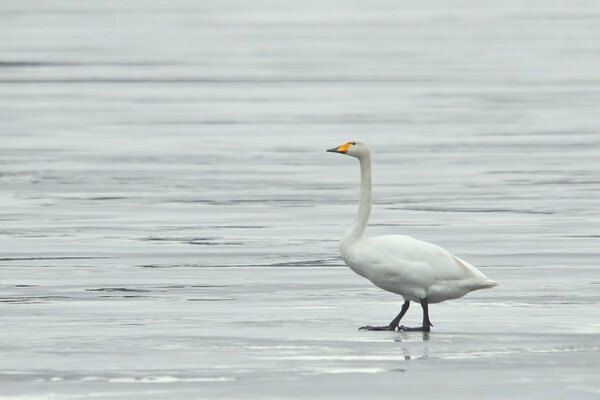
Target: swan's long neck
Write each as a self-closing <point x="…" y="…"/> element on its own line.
<point x="364" y="207"/>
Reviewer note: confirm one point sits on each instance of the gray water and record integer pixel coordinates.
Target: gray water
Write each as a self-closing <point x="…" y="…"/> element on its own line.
<point x="169" y="218"/>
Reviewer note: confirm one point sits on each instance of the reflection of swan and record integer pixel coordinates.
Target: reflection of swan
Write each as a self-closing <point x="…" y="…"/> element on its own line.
<point x="409" y="348"/>
<point x="416" y="270"/>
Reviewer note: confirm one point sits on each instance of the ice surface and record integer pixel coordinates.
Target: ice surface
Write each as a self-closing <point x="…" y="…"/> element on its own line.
<point x="169" y="217"/>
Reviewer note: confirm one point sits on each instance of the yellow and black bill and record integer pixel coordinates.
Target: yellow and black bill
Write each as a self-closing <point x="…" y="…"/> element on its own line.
<point x="341" y="149"/>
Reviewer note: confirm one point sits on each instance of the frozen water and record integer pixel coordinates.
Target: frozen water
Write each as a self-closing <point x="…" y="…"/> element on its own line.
<point x="169" y="218"/>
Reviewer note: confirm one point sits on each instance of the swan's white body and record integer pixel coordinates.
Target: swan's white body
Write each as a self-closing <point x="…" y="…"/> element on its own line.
<point x="414" y="269"/>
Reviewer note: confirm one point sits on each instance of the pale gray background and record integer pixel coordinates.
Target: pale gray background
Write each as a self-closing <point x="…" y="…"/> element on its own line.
<point x="169" y="218"/>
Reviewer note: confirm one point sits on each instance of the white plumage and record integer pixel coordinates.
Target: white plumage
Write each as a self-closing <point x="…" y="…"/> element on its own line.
<point x="412" y="268"/>
<point x="416" y="270"/>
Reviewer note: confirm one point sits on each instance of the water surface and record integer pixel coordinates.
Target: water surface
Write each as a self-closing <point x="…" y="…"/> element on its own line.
<point x="169" y="218"/>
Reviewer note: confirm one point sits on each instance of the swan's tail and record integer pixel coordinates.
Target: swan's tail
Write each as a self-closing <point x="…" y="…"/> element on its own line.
<point x="489" y="284"/>
<point x="471" y="285"/>
<point x="482" y="281"/>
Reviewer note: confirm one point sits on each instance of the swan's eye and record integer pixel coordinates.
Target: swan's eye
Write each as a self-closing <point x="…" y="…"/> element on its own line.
<point x="353" y="143"/>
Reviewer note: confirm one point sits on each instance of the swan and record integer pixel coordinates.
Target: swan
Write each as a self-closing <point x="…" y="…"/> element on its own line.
<point x="416" y="270"/>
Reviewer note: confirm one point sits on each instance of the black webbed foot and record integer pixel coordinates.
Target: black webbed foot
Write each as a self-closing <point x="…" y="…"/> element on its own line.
<point x="425" y="328"/>
<point x="377" y="328"/>
<point x="392" y="325"/>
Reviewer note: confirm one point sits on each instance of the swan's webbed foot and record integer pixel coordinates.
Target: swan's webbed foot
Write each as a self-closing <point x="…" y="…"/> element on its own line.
<point x="377" y="328"/>
<point x="392" y="325"/>
<point x="424" y="328"/>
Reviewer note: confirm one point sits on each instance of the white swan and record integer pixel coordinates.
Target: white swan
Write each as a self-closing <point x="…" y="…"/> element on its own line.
<point x="416" y="270"/>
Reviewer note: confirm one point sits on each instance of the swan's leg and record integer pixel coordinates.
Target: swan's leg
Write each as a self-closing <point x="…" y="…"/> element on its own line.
<point x="393" y="325"/>
<point x="426" y="322"/>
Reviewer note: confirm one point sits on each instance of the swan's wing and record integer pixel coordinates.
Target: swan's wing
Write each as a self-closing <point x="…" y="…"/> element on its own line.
<point x="416" y="260"/>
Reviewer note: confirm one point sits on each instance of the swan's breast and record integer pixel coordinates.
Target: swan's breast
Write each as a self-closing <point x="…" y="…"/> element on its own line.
<point x="388" y="271"/>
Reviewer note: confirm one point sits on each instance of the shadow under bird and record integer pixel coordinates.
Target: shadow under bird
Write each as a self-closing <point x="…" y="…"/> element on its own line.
<point x="416" y="270"/>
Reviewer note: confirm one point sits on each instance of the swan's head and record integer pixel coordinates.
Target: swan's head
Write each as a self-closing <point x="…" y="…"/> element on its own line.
<point x="353" y="148"/>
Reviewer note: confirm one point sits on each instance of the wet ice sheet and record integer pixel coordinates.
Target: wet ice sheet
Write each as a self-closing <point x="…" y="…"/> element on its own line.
<point x="291" y="332"/>
<point x="169" y="218"/>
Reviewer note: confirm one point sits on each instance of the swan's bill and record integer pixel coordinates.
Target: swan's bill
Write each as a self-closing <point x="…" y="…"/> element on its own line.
<point x="342" y="149"/>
